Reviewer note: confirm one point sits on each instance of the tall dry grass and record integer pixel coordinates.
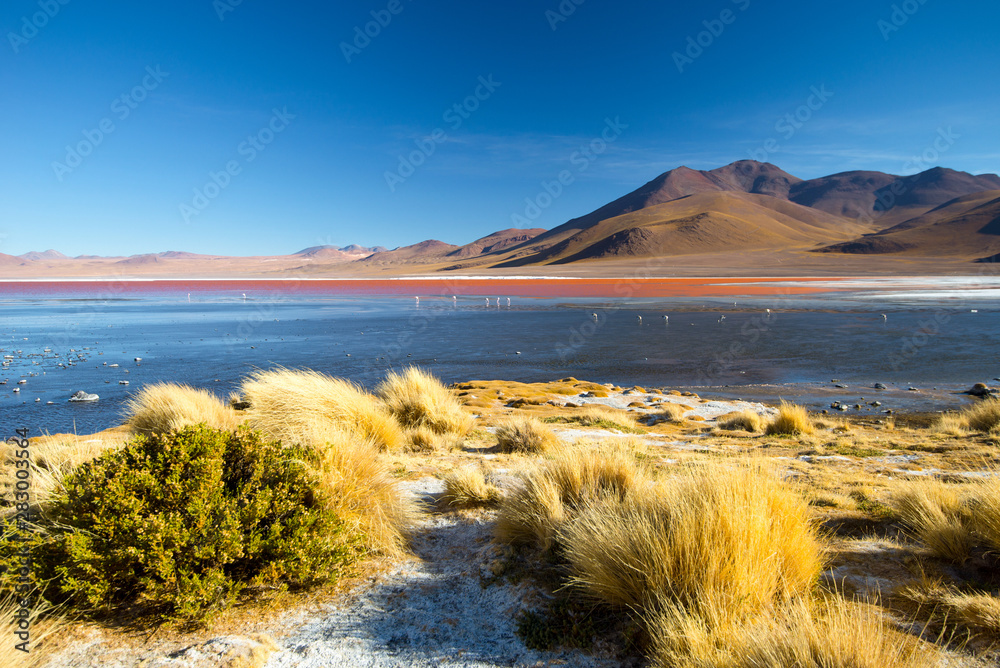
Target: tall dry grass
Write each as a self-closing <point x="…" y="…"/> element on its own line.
<point x="938" y="514"/>
<point x="359" y="486"/>
<point x="832" y="633"/>
<point x="45" y="627"/>
<point x="742" y="421"/>
<point x="301" y="406"/>
<point x="52" y="457"/>
<point x="713" y="540"/>
<point x="520" y="434"/>
<point x="467" y="487"/>
<point x="791" y="421"/>
<point x="985" y="504"/>
<point x="551" y="492"/>
<point x="983" y="415"/>
<point x="165" y="407"/>
<point x="418" y="399"/>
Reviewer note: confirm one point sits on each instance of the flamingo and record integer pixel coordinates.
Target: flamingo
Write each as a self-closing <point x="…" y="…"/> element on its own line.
<point x="666" y="318"/>
<point x="508" y="301"/>
<point x="639" y="317"/>
<point x="487" y="301"/>
<point x="884" y="317"/>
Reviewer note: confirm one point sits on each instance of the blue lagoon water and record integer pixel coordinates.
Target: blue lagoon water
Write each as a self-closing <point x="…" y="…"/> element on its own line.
<point x="62" y="343"/>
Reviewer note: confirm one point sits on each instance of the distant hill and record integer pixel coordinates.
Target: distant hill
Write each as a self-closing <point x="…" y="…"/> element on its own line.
<point x="708" y="222"/>
<point x="50" y="254"/>
<point x="746" y="216"/>
<point x="967" y="227"/>
<point x="495" y="242"/>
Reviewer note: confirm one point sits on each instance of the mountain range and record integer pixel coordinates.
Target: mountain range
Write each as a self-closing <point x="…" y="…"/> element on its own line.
<point x="746" y="217"/>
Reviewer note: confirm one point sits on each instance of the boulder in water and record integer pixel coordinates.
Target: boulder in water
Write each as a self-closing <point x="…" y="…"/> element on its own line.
<point x="83" y="396"/>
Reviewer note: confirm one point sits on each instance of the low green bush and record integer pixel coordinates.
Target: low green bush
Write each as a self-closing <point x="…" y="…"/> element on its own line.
<point x="182" y="523"/>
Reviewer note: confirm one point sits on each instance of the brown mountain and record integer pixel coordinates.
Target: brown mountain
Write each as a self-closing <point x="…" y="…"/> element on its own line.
<point x="742" y="176"/>
<point x="497" y="241"/>
<point x="425" y="252"/>
<point x="967" y="227"/>
<point x="11" y="260"/>
<point x="850" y="194"/>
<point x="707" y="222"/>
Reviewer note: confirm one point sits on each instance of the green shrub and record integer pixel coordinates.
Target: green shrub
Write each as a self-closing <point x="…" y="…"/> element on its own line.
<point x="182" y="523"/>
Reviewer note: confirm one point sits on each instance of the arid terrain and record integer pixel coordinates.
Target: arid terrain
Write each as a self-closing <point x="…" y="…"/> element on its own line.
<point x="745" y="219"/>
<point x="887" y="496"/>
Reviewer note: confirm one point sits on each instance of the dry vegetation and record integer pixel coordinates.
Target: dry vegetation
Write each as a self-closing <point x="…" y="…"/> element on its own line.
<point x="304" y="406"/>
<point x="466" y="487"/>
<point x="790" y="421"/>
<point x="46" y="625"/>
<point x="742" y="421"/>
<point x="165" y="407"/>
<point x="419" y="400"/>
<point x="743" y="546"/>
<point x="525" y="434"/>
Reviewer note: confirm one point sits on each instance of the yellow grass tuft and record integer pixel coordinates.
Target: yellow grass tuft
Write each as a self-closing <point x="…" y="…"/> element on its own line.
<point x="360" y="488"/>
<point x="45" y="627"/>
<point x="552" y="491"/>
<point x="422" y="439"/>
<point x="791" y="421"/>
<point x="983" y="415"/>
<point x="980" y="612"/>
<point x="52" y="457"/>
<point x="742" y="421"/>
<point x="951" y="424"/>
<point x="672" y="412"/>
<point x="829" y="634"/>
<point x="164" y="407"/>
<point x="300" y="406"/>
<point x="985" y="504"/>
<point x="525" y="435"/>
<point x="417" y="399"/>
<point x="937" y="514"/>
<point x="467" y="486"/>
<point x="713" y="540"/>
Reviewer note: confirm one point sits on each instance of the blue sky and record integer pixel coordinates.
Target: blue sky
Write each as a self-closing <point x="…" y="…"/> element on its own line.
<point x="259" y="127"/>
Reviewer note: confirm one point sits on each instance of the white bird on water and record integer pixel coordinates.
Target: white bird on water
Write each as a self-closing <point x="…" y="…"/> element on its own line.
<point x="508" y="301"/>
<point x="639" y="317"/>
<point x="244" y="296"/>
<point x="885" y="317"/>
<point x="487" y="301"/>
<point x="666" y="318"/>
<point x="594" y="316"/>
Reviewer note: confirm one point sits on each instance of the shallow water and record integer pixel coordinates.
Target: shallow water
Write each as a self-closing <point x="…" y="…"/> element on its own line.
<point x="929" y="339"/>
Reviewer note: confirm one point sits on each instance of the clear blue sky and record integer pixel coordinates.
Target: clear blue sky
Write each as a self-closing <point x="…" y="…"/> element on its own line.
<point x="322" y="178"/>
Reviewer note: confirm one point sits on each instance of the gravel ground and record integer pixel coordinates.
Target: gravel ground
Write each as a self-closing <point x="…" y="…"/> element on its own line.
<point x="429" y="611"/>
